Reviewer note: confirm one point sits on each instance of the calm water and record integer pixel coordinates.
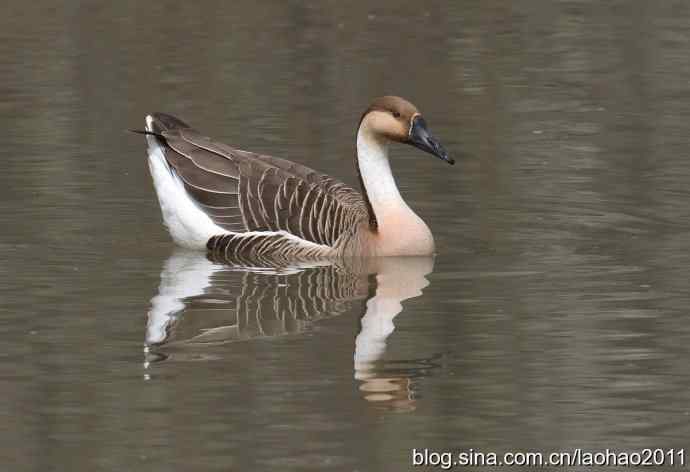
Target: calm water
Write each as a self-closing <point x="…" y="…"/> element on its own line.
<point x="555" y="315"/>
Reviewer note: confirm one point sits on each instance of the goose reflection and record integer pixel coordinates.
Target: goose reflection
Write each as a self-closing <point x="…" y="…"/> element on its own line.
<point x="205" y="302"/>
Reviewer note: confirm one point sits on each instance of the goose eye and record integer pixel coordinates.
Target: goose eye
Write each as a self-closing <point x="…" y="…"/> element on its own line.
<point x="396" y="114"/>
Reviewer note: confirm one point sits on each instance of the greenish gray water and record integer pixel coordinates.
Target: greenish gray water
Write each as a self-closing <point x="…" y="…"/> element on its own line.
<point x="556" y="312"/>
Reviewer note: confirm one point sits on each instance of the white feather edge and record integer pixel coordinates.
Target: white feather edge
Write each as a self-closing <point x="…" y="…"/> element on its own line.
<point x="188" y="225"/>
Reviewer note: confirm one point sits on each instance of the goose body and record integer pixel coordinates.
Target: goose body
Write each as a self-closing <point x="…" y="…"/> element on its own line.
<point x="243" y="204"/>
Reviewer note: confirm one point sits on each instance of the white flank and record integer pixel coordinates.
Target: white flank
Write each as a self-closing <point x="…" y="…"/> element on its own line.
<point x="189" y="226"/>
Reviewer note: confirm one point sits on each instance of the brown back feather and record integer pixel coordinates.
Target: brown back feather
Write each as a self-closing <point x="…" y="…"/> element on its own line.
<point x="244" y="191"/>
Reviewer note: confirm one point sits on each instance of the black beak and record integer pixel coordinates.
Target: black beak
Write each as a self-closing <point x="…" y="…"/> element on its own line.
<point x="421" y="138"/>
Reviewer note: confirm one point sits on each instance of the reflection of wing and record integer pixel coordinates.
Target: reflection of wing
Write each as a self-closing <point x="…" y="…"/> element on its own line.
<point x="223" y="303"/>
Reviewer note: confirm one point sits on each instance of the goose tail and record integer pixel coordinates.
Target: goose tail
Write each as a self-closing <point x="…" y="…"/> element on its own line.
<point x="188" y="225"/>
<point x="161" y="122"/>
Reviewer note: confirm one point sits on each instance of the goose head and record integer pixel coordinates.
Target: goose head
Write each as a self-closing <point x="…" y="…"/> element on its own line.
<point x="395" y="119"/>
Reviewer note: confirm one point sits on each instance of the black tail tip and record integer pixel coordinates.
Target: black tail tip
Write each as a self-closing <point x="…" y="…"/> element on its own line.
<point x="146" y="133"/>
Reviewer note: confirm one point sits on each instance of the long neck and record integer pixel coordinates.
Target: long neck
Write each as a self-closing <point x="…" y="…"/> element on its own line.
<point x="377" y="179"/>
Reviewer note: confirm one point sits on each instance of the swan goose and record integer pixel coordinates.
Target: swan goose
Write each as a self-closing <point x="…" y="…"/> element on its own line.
<point x="234" y="202"/>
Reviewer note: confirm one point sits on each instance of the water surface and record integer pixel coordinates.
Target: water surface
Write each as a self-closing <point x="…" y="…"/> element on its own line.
<point x="555" y="315"/>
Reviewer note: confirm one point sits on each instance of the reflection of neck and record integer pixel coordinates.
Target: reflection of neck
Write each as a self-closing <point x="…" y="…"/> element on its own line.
<point x="397" y="280"/>
<point x="377" y="178"/>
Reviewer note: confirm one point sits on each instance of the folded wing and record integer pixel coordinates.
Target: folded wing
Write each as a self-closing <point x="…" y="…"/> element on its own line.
<point x="245" y="192"/>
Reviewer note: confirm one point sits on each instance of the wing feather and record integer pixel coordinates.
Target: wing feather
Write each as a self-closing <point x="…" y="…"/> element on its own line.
<point x="247" y="192"/>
